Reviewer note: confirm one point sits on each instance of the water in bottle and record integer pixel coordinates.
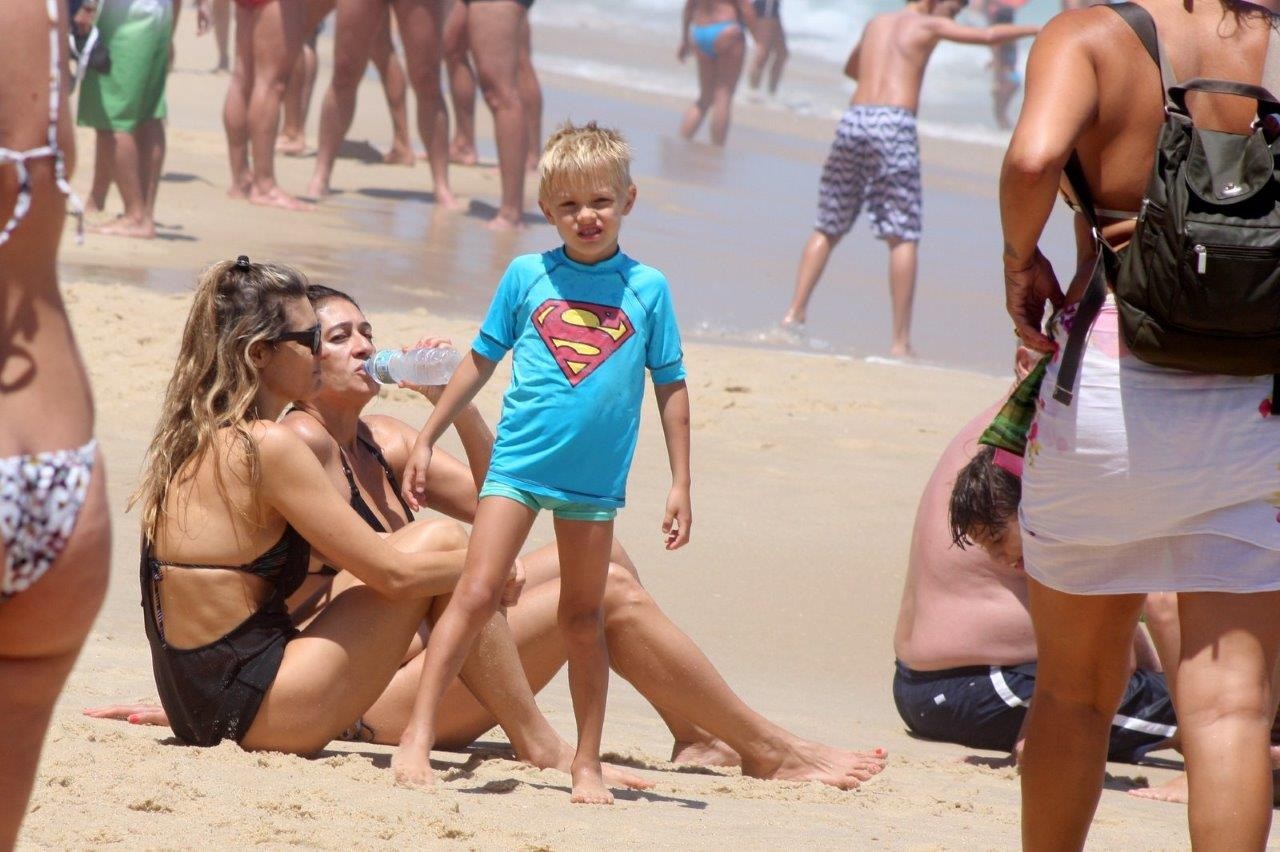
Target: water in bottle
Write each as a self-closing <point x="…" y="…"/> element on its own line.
<point x="417" y="366"/>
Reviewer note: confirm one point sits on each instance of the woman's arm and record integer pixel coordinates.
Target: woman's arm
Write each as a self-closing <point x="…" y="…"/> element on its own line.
<point x="1061" y="99"/>
<point x="294" y="484"/>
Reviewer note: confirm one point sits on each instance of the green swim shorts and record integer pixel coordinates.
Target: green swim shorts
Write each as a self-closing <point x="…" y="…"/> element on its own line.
<point x="565" y="510"/>
<point x="137" y="34"/>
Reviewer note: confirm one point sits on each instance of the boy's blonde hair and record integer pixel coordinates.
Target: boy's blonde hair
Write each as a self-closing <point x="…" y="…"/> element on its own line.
<point x="574" y="154"/>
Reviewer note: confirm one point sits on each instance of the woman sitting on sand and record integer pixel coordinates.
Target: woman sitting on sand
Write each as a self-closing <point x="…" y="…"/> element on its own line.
<point x="234" y="507"/>
<point x="709" y="723"/>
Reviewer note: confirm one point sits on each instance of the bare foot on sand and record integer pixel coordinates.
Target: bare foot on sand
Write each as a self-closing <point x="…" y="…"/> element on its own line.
<point x="463" y="154"/>
<point x="411" y="766"/>
<point x="239" y="190"/>
<point x="560" y="755"/>
<point x="291" y="146"/>
<point x="447" y="200"/>
<point x="123" y="227"/>
<point x="588" y="785"/>
<point x="318" y="188"/>
<point x="903" y="351"/>
<point x="800" y="760"/>
<point x="142" y="713"/>
<point x="1173" y="790"/>
<point x="501" y="222"/>
<point x="277" y="197"/>
<point x="710" y="753"/>
<point x="399" y="155"/>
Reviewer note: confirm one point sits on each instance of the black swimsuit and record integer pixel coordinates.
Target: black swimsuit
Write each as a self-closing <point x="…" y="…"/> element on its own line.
<point x="357" y="501"/>
<point x="213" y="692"/>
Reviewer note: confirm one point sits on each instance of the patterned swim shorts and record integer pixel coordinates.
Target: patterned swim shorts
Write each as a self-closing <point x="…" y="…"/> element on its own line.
<point x="874" y="160"/>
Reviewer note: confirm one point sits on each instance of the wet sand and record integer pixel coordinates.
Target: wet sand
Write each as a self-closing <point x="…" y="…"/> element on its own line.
<point x="807" y="468"/>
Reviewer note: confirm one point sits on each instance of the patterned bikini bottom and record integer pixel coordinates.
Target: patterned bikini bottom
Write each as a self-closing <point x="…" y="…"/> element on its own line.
<point x="40" y="498"/>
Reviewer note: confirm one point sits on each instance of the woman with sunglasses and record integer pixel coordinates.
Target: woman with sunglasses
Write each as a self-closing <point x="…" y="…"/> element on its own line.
<point x="234" y="504"/>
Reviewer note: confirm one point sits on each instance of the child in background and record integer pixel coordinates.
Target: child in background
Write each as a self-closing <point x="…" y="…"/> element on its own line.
<point x="585" y="321"/>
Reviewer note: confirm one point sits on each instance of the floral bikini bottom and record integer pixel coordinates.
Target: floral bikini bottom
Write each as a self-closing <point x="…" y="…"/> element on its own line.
<point x="40" y="498"/>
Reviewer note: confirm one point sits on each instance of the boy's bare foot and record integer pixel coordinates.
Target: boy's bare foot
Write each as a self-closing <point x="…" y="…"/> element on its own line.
<point x="712" y="752"/>
<point x="588" y="785"/>
<point x="800" y="760"/>
<point x="399" y="155"/>
<point x="277" y="197"/>
<point x="291" y="146"/>
<point x="125" y="227"/>
<point x="463" y="153"/>
<point x="411" y="766"/>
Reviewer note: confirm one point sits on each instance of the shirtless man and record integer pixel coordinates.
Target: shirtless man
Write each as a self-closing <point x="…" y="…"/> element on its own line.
<point x="964" y="644"/>
<point x="875" y="159"/>
<point x="421" y="23"/>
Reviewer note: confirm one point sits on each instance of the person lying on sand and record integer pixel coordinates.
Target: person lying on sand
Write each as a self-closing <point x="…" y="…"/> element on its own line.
<point x="710" y="724"/>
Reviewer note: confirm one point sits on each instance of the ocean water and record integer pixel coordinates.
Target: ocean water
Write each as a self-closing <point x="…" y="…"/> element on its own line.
<point x="955" y="101"/>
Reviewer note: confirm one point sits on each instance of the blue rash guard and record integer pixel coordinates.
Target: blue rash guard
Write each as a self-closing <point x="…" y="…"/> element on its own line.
<point x="582" y="335"/>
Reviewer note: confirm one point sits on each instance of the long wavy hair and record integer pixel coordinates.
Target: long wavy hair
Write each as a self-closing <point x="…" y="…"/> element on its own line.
<point x="237" y="304"/>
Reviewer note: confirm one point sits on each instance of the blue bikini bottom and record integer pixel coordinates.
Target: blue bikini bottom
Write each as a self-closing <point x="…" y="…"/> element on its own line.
<point x="705" y="36"/>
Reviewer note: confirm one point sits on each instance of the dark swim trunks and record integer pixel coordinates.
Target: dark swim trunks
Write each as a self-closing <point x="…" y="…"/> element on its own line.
<point x="984" y="706"/>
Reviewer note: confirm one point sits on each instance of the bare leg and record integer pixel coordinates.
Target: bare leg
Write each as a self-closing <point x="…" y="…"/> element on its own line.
<point x="355" y="26"/>
<point x="813" y="260"/>
<point x="395" y="87"/>
<point x="421" y="23"/>
<point x="135" y="221"/>
<point x="41" y="633"/>
<point x="902" y="289"/>
<point x="297" y="99"/>
<point x="235" y="109"/>
<point x="501" y="526"/>
<point x="1084" y="644"/>
<point x="462" y="85"/>
<point x="731" y="52"/>
<point x="277" y="37"/>
<point x="104" y="153"/>
<point x="151" y="153"/>
<point x="344" y="659"/>
<point x="1225" y="713"/>
<point x="493" y="30"/>
<point x="780" y="55"/>
<point x="530" y="95"/>
<point x="771" y="52"/>
<point x="697" y="110"/>
<point x="221" y="14"/>
<point x="584" y="566"/>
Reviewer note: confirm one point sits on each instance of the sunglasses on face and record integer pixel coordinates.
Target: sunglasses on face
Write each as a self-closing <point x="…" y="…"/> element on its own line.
<point x="308" y="337"/>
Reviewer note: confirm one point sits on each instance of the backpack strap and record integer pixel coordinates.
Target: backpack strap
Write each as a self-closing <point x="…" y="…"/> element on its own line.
<point x="1271" y="66"/>
<point x="1144" y="27"/>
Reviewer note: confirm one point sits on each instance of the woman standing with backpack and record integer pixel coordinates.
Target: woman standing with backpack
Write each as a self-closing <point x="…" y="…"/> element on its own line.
<point x="1139" y="477"/>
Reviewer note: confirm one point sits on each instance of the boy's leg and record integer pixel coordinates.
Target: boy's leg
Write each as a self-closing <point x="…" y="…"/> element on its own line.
<point x="501" y="526"/>
<point x="584" y="548"/>
<point x="902" y="290"/>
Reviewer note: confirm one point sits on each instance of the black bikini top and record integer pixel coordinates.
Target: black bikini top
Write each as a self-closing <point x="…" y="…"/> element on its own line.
<point x="283" y="565"/>
<point x="357" y="501"/>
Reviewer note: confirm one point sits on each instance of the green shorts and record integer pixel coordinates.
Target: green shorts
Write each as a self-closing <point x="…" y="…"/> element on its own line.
<point x="137" y="36"/>
<point x="565" y="510"/>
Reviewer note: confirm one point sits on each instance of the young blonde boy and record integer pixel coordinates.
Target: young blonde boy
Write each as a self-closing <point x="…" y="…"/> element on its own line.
<point x="584" y="322"/>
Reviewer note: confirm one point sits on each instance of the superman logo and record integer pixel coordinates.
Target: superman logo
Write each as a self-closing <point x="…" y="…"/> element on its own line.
<point x="581" y="335"/>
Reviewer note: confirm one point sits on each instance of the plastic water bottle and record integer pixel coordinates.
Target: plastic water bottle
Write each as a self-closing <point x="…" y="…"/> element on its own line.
<point x="417" y="366"/>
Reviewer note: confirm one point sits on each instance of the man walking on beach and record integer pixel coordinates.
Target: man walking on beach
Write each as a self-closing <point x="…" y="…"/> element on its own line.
<point x="875" y="159"/>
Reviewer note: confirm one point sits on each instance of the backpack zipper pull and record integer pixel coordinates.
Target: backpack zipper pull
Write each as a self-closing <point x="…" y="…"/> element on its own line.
<point x="1202" y="257"/>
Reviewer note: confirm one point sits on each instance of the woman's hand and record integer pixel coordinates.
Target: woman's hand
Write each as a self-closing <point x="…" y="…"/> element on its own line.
<point x="515" y="584"/>
<point x="1025" y="292"/>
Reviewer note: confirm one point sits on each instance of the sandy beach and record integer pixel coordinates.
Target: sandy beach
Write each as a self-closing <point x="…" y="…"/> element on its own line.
<point x="807" y="469"/>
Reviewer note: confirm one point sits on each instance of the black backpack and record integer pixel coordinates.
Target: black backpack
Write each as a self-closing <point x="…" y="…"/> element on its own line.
<point x="1198" y="287"/>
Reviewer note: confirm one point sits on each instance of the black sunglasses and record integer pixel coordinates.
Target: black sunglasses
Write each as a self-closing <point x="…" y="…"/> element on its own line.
<point x="308" y="337"/>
